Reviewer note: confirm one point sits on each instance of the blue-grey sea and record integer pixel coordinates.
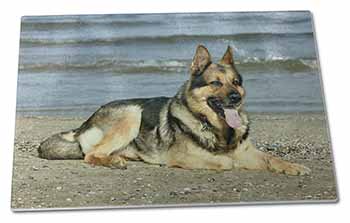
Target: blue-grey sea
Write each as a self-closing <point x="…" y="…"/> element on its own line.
<point x="70" y="65"/>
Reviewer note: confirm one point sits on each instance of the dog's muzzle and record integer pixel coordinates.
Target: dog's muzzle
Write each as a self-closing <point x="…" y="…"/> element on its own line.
<point x="227" y="109"/>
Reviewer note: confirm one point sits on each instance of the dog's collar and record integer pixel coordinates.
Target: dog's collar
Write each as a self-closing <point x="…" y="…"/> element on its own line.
<point x="205" y="122"/>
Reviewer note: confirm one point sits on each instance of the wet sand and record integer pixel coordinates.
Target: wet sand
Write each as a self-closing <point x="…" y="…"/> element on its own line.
<point x="298" y="137"/>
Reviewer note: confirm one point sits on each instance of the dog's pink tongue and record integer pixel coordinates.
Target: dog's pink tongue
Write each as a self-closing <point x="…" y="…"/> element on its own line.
<point x="232" y="118"/>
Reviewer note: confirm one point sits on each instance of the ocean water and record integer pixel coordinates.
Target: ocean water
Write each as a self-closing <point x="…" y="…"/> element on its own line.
<point x="70" y="65"/>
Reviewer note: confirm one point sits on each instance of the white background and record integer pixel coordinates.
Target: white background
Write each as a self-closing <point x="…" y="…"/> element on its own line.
<point x="332" y="26"/>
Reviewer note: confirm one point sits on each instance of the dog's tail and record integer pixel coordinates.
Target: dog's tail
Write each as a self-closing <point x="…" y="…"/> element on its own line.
<point x="61" y="146"/>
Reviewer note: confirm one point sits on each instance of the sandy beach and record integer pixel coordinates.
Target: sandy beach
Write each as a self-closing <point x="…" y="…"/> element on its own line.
<point x="298" y="137"/>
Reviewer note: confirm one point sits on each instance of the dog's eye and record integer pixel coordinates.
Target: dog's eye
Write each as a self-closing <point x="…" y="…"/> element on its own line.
<point x="216" y="83"/>
<point x="236" y="82"/>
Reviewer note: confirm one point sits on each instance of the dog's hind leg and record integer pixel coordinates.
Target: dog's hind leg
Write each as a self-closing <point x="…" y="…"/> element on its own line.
<point x="123" y="130"/>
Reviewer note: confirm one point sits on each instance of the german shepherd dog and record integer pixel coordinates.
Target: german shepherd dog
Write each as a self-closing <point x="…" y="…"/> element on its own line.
<point x="203" y="126"/>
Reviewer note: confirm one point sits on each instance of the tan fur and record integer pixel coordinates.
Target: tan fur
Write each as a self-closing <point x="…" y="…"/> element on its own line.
<point x="199" y="105"/>
<point x="112" y="161"/>
<point x="124" y="129"/>
<point x="186" y="154"/>
<point x="246" y="156"/>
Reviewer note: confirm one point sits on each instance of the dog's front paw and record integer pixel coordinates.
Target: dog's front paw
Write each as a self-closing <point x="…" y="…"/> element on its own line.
<point x="297" y="169"/>
<point x="281" y="166"/>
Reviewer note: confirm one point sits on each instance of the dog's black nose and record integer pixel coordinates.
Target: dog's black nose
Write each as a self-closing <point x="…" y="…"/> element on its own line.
<point x="235" y="97"/>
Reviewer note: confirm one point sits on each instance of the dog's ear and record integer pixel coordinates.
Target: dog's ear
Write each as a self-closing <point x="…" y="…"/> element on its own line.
<point x="228" y="57"/>
<point x="201" y="60"/>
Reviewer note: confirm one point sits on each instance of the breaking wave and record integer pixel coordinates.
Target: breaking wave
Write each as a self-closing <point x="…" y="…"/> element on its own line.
<point x="167" y="66"/>
<point x="164" y="39"/>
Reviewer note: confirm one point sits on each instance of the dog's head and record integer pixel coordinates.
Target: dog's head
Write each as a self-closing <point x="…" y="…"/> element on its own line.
<point x="215" y="89"/>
